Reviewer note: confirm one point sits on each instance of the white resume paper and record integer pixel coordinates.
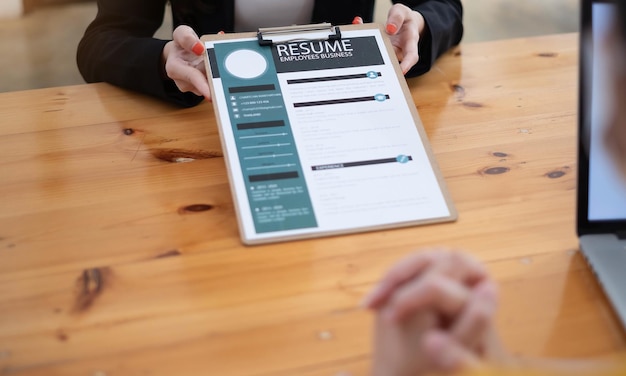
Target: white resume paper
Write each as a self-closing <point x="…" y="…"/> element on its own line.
<point x="320" y="137"/>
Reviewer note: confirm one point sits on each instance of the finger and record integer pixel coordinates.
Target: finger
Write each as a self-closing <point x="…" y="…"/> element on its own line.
<point x="400" y="273"/>
<point x="357" y="20"/>
<point x="461" y="267"/>
<point x="410" y="55"/>
<point x="188" y="78"/>
<point x="199" y="82"/>
<point x="446" y="355"/>
<point x="396" y="17"/>
<point x="434" y="292"/>
<point x="398" y="347"/>
<point x="185" y="37"/>
<point x="398" y="53"/>
<point x="477" y="317"/>
<point x="185" y="87"/>
<point x="456" y="265"/>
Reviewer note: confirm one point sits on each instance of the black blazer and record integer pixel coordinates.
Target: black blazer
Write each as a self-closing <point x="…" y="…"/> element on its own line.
<point x="118" y="46"/>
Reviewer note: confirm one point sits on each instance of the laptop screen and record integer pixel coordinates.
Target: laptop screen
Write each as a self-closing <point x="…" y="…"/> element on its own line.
<point x="601" y="187"/>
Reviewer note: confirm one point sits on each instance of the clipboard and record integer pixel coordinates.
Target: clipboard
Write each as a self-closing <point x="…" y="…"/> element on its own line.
<point x="320" y="133"/>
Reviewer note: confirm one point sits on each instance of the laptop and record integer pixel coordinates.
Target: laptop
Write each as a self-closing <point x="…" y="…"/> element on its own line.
<point x="601" y="211"/>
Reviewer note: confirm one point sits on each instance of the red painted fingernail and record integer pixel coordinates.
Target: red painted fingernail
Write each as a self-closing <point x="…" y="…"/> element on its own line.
<point x="357" y="20"/>
<point x="198" y="48"/>
<point x="391" y="28"/>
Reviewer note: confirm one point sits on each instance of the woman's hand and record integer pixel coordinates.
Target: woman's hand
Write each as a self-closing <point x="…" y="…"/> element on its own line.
<point x="183" y="59"/>
<point x="405" y="26"/>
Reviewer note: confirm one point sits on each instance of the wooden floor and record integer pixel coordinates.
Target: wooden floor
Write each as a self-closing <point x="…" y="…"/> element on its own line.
<point x="38" y="50"/>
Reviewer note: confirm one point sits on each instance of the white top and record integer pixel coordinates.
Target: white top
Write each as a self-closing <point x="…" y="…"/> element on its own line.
<point x="253" y="14"/>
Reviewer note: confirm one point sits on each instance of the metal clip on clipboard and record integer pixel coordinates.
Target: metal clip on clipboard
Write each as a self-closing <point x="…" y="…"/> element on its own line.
<point x="267" y="36"/>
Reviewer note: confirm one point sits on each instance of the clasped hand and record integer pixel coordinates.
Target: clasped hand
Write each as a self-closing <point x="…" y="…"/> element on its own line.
<point x="434" y="314"/>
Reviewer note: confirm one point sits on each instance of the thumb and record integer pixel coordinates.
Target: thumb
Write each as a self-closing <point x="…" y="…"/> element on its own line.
<point x="185" y="37"/>
<point x="398" y="13"/>
<point x="446" y="354"/>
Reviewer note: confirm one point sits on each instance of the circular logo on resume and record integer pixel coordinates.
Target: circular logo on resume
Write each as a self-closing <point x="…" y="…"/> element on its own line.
<point x="245" y="64"/>
<point x="402" y="158"/>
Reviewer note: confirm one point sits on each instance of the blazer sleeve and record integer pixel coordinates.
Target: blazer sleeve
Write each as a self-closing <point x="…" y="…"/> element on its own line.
<point x="118" y="47"/>
<point x="444" y="22"/>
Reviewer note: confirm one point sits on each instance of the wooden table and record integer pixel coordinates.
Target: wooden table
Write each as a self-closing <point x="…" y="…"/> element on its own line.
<point x="116" y="258"/>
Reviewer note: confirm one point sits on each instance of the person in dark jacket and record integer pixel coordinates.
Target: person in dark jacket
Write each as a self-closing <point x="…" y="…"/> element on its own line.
<point x="118" y="46"/>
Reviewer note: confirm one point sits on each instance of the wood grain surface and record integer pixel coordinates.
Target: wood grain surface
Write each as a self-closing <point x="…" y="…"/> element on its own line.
<point x="120" y="254"/>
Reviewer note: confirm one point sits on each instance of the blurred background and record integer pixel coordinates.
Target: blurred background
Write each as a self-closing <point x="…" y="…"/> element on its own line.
<point x="38" y="38"/>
